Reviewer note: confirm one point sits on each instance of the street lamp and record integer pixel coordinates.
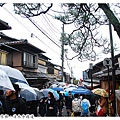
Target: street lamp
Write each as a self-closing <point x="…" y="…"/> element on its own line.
<point x="91" y="68"/>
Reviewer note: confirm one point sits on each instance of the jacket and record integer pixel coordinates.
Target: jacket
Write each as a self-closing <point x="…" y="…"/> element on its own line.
<point x="51" y="103"/>
<point x="16" y="106"/>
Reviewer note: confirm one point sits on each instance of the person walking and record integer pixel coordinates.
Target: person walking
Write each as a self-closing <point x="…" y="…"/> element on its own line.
<point x="32" y="107"/>
<point x="103" y="103"/>
<point x="51" y="107"/>
<point x="76" y="105"/>
<point x="42" y="107"/>
<point x="68" y="103"/>
<point x="60" y="103"/>
<point x="85" y="105"/>
<point x="14" y="104"/>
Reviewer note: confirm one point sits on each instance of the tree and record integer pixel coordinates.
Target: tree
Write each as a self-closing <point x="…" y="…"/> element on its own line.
<point x="86" y="17"/>
<point x="30" y="9"/>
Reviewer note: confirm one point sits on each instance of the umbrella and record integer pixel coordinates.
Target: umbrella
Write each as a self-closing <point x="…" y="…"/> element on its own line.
<point x="14" y="74"/>
<point x="92" y="97"/>
<point x="5" y="82"/>
<point x="81" y="91"/>
<point x="45" y="92"/>
<point x="28" y="95"/>
<point x="39" y="94"/>
<point x="57" y="89"/>
<point x="67" y="93"/>
<point x="101" y="92"/>
<point x="27" y="92"/>
<point x="70" y="88"/>
<point x="54" y="85"/>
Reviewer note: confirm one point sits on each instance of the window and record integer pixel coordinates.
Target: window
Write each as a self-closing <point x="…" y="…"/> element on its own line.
<point x="3" y="58"/>
<point x="30" y="60"/>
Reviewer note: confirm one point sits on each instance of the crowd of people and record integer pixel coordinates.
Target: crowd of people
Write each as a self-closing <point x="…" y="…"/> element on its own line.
<point x="76" y="105"/>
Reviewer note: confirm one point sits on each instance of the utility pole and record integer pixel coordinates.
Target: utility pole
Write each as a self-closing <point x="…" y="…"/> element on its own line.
<point x="71" y="75"/>
<point x="62" y="55"/>
<point x="113" y="68"/>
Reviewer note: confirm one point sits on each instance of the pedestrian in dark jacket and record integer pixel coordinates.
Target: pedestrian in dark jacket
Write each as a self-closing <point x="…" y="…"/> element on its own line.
<point x="60" y="103"/>
<point x="68" y="103"/>
<point x="14" y="104"/>
<point x="51" y="108"/>
<point x="42" y="107"/>
<point x="2" y="98"/>
<point x="32" y="107"/>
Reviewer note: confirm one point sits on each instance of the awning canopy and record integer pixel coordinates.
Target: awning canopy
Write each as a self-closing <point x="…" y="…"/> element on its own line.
<point x="117" y="72"/>
<point x="89" y="84"/>
<point x="35" y="75"/>
<point x="94" y="80"/>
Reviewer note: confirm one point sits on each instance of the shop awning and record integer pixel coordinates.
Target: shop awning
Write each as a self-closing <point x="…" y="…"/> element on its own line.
<point x="34" y="75"/>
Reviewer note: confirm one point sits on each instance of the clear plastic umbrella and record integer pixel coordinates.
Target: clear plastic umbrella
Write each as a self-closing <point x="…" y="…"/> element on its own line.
<point x="14" y="74"/>
<point x="39" y="94"/>
<point x="28" y="95"/>
<point x="70" y="89"/>
<point x="27" y="92"/>
<point x="45" y="92"/>
<point x="5" y="82"/>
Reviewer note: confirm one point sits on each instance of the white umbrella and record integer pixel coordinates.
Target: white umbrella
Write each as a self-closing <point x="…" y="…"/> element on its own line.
<point x="70" y="89"/>
<point x="39" y="94"/>
<point x="14" y="74"/>
<point x="5" y="82"/>
<point x="54" y="85"/>
<point x="27" y="92"/>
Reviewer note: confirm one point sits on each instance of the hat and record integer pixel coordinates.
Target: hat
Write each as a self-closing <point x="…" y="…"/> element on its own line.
<point x="16" y="87"/>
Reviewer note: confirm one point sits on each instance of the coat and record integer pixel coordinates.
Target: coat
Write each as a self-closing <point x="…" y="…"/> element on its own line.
<point x="51" y="103"/>
<point x="32" y="107"/>
<point x="68" y="102"/>
<point x="16" y="106"/>
<point x="42" y="107"/>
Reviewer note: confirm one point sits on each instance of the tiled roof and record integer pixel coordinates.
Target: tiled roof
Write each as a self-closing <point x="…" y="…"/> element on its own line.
<point x="25" y="42"/>
<point x="4" y="25"/>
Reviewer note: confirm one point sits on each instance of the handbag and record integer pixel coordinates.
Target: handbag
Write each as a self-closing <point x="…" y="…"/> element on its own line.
<point x="99" y="111"/>
<point x="72" y="114"/>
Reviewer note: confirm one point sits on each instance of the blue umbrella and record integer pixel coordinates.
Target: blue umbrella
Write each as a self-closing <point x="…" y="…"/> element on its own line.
<point x="57" y="89"/>
<point x="67" y="93"/>
<point x="45" y="92"/>
<point x="81" y="91"/>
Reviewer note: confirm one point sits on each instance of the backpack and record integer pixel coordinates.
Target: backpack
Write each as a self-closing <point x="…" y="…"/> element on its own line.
<point x="76" y="105"/>
<point x="85" y="107"/>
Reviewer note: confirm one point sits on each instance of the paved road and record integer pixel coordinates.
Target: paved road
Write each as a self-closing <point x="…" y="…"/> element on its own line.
<point x="64" y="112"/>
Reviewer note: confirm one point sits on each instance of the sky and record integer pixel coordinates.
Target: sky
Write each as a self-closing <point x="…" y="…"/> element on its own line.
<point x="22" y="28"/>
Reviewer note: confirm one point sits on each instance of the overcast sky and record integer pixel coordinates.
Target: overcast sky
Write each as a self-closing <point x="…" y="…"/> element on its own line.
<point x="22" y="29"/>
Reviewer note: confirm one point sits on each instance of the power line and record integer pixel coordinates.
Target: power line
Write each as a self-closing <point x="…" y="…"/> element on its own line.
<point x="42" y="32"/>
<point x="48" y="30"/>
<point x="50" y="27"/>
<point x="52" y="23"/>
<point x="29" y="30"/>
<point x="46" y="44"/>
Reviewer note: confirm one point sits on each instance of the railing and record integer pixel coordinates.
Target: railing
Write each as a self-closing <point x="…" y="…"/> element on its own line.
<point x="30" y="65"/>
